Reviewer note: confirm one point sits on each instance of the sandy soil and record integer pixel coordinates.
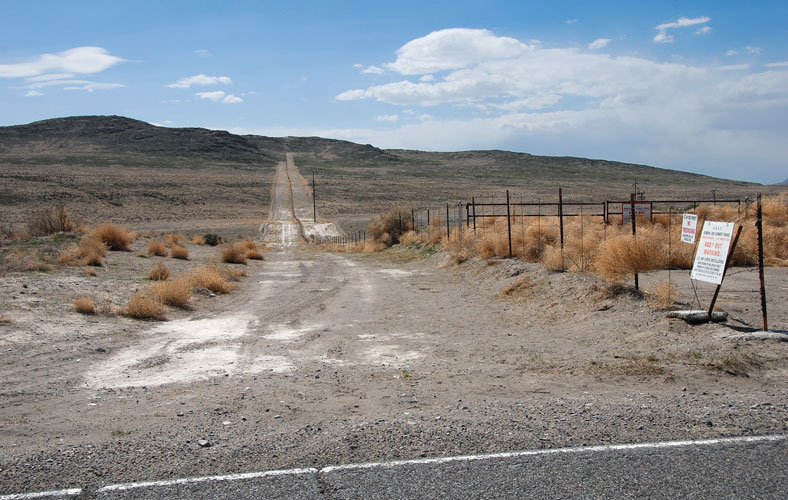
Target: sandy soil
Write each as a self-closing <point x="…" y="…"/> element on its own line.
<point x="322" y="358"/>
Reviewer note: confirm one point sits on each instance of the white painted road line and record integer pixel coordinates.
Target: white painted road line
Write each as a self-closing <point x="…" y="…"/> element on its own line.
<point x="192" y="480"/>
<point x="399" y="463"/>
<point x="43" y="494"/>
<point x="555" y="451"/>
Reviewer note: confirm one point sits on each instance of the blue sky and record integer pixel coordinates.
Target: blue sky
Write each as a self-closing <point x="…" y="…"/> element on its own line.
<point x="700" y="86"/>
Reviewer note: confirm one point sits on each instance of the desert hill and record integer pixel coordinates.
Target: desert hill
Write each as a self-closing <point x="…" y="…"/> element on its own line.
<point x="121" y="168"/>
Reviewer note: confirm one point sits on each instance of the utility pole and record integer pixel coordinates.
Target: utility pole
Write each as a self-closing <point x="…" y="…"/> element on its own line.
<point x="314" y="202"/>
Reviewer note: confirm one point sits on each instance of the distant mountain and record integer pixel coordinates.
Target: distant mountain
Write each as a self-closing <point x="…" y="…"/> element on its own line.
<point x="120" y="141"/>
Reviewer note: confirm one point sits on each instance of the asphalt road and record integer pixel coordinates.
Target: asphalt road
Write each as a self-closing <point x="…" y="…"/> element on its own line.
<point x="725" y="468"/>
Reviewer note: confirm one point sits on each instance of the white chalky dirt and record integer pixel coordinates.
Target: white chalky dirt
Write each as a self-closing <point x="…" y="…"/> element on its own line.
<point x="183" y="351"/>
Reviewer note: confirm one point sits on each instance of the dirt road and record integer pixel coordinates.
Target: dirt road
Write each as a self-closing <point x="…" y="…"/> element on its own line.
<point x="322" y="358"/>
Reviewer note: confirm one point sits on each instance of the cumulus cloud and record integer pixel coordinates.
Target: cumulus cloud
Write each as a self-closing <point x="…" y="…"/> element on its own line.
<point x="79" y="60"/>
<point x="731" y="52"/>
<point x="219" y="96"/>
<point x="373" y="70"/>
<point x="387" y="118"/>
<point x="599" y="43"/>
<point x="571" y="101"/>
<point x="216" y="95"/>
<point x="753" y="50"/>
<point x="453" y="48"/>
<point x="63" y="69"/>
<point x="201" y="79"/>
<point x="662" y="35"/>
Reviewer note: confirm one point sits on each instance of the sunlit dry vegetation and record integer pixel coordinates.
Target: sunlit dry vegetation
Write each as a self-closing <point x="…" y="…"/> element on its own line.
<point x="590" y="245"/>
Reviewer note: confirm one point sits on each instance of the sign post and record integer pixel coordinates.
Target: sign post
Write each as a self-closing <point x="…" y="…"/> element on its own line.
<point x="642" y="209"/>
<point x="715" y="250"/>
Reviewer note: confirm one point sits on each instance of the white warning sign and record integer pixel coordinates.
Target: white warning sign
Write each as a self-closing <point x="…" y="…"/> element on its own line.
<point x="688" y="228"/>
<point x="715" y="241"/>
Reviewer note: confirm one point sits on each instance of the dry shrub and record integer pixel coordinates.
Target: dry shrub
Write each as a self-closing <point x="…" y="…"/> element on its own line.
<point x="23" y="260"/>
<point x="142" y="306"/>
<point x="233" y="254"/>
<point x="538" y="238"/>
<point x="524" y="286"/>
<point x="232" y="273"/>
<point x="198" y="240"/>
<point x="90" y="251"/>
<point x="176" y="293"/>
<point x="622" y="256"/>
<point x="409" y="238"/>
<point x="179" y="252"/>
<point x="159" y="272"/>
<point x="90" y="271"/>
<point x="85" y="305"/>
<point x="663" y="296"/>
<point x="157" y="247"/>
<point x="254" y="255"/>
<point x="175" y="239"/>
<point x="212" y="278"/>
<point x="553" y="259"/>
<point x="115" y="237"/>
<point x="457" y="255"/>
<point x="50" y="221"/>
<point x="247" y="245"/>
<point x="5" y="319"/>
<point x="388" y="227"/>
<point x="776" y="207"/>
<point x="493" y="244"/>
<point x="775" y="244"/>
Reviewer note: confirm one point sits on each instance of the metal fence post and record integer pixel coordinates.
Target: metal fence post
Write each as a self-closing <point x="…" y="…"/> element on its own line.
<point x="473" y="200"/>
<point x="634" y="229"/>
<point x="759" y="225"/>
<point x="448" y="225"/>
<point x="459" y="222"/>
<point x="509" y="222"/>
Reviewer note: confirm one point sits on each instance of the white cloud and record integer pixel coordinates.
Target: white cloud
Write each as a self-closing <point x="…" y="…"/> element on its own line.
<point x="453" y="48"/>
<point x="427" y="78"/>
<point x="79" y="60"/>
<point x="599" y="43"/>
<point x="215" y="96"/>
<point x="571" y="21"/>
<point x="387" y="118"/>
<point x="50" y="76"/>
<point x="202" y="53"/>
<point x="373" y="70"/>
<point x="734" y="67"/>
<point x="219" y="96"/>
<point x="201" y="79"/>
<point x="682" y="22"/>
<point x="704" y="30"/>
<point x="731" y="52"/>
<point x="753" y="50"/>
<point x="33" y="93"/>
<point x="91" y="86"/>
<point x="425" y="117"/>
<point x="568" y="101"/>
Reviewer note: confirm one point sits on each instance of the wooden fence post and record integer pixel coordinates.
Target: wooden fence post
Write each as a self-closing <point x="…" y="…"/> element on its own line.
<point x="759" y="225"/>
<point x="448" y="225"/>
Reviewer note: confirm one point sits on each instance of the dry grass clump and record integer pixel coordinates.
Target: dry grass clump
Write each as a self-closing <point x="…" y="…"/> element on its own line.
<point x="115" y="237"/>
<point x="142" y="306"/>
<point x="50" y="221"/>
<point x="90" y="251"/>
<point x="232" y="273"/>
<point x="457" y="255"/>
<point x="198" y="240"/>
<point x="409" y="238"/>
<point x="663" y="296"/>
<point x="622" y="256"/>
<point x="212" y="278"/>
<point x="179" y="252"/>
<point x="233" y="254"/>
<point x="5" y="319"/>
<point x="23" y="260"/>
<point x="175" y="239"/>
<point x="251" y="251"/>
<point x="388" y="227"/>
<point x="90" y="271"/>
<point x="176" y="293"/>
<point x="159" y="272"/>
<point x="85" y="305"/>
<point x="157" y="247"/>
